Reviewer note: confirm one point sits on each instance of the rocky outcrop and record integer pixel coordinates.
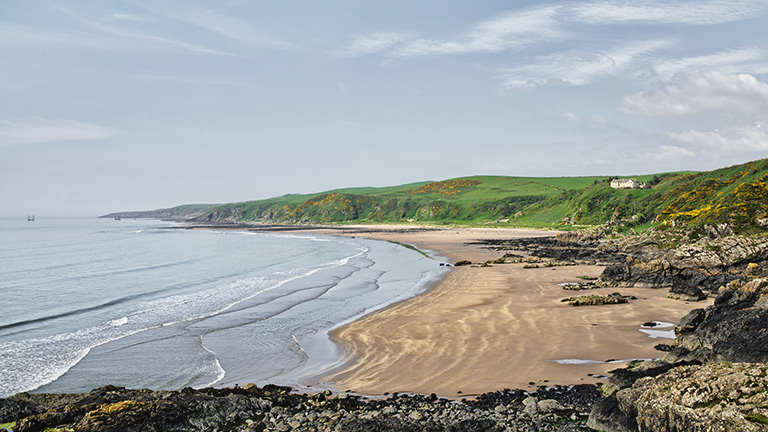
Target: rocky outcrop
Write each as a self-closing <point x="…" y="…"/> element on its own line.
<point x="692" y="267"/>
<point x="734" y="329"/>
<point x="717" y="397"/>
<point x="278" y="408"/>
<point x="685" y="283"/>
<point x="555" y="249"/>
<point x="598" y="300"/>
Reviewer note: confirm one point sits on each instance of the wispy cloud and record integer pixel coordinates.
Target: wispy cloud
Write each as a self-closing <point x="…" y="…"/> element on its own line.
<point x="119" y="16"/>
<point x="753" y="60"/>
<point x="39" y="130"/>
<point x="510" y="30"/>
<point x="220" y="24"/>
<point x="669" y="12"/>
<point x="578" y="67"/>
<point x="141" y="38"/>
<point x="692" y="93"/>
<point x="666" y="152"/>
<point x="520" y="28"/>
<point x="590" y="119"/>
<point x="752" y="137"/>
<point x="24" y="35"/>
<point x="111" y="32"/>
<point x="374" y="43"/>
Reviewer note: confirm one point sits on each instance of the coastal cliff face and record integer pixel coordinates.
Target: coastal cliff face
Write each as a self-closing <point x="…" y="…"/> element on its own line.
<point x="180" y="213"/>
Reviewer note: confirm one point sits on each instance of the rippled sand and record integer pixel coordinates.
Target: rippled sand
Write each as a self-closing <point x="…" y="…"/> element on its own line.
<point x="487" y="328"/>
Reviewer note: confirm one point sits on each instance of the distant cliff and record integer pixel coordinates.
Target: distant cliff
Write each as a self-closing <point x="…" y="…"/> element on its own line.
<point x="182" y="212"/>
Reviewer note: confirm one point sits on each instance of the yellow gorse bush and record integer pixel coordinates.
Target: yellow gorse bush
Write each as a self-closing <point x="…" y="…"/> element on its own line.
<point x="448" y="187"/>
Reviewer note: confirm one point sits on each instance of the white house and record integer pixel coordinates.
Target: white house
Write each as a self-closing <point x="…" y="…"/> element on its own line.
<point x="626" y="184"/>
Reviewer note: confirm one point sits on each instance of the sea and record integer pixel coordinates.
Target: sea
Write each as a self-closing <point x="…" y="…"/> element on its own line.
<point x="86" y="302"/>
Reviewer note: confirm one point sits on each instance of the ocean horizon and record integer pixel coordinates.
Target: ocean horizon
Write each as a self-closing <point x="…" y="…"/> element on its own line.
<point x="147" y="304"/>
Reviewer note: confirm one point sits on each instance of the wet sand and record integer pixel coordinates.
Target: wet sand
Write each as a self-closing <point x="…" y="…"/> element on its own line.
<point x="483" y="329"/>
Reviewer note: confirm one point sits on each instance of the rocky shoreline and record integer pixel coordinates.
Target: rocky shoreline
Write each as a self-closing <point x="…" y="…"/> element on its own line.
<point x="273" y="408"/>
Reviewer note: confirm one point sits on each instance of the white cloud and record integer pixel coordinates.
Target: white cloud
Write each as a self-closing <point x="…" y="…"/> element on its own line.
<point x="118" y="16"/>
<point x="520" y="28"/>
<point x="39" y="130"/>
<point x="666" y="152"/>
<point x="738" y="138"/>
<point x="580" y="68"/>
<point x="701" y="91"/>
<point x="753" y="60"/>
<point x="374" y="42"/>
<point x="510" y="30"/>
<point x="506" y="31"/>
<point x="591" y="119"/>
<point x="674" y="12"/>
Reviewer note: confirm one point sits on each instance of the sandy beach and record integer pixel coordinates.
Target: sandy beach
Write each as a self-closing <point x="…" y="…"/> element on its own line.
<point x="483" y="329"/>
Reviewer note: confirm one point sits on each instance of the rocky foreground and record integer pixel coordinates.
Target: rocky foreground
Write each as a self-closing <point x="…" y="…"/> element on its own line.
<point x="274" y="408"/>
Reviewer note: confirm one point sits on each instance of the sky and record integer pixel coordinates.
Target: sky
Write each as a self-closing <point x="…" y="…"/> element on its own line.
<point x="137" y="105"/>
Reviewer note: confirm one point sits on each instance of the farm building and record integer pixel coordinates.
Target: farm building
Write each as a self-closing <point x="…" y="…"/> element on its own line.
<point x="626" y="184"/>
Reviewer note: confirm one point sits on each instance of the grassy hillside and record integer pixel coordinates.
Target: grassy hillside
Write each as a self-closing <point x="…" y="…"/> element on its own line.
<point x="462" y="200"/>
<point x="737" y="195"/>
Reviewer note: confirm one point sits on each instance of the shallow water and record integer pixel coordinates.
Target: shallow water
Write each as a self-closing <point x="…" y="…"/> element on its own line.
<point x="89" y="302"/>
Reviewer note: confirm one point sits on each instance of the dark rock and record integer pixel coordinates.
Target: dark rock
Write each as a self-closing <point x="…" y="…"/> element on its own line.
<point x="687" y="293"/>
<point x="734" y="329"/>
<point x="16" y="407"/>
<point x="690" y="322"/>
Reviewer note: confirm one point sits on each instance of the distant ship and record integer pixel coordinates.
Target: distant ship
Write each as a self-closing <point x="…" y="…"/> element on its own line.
<point x="118" y="217"/>
<point x="31" y="218"/>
